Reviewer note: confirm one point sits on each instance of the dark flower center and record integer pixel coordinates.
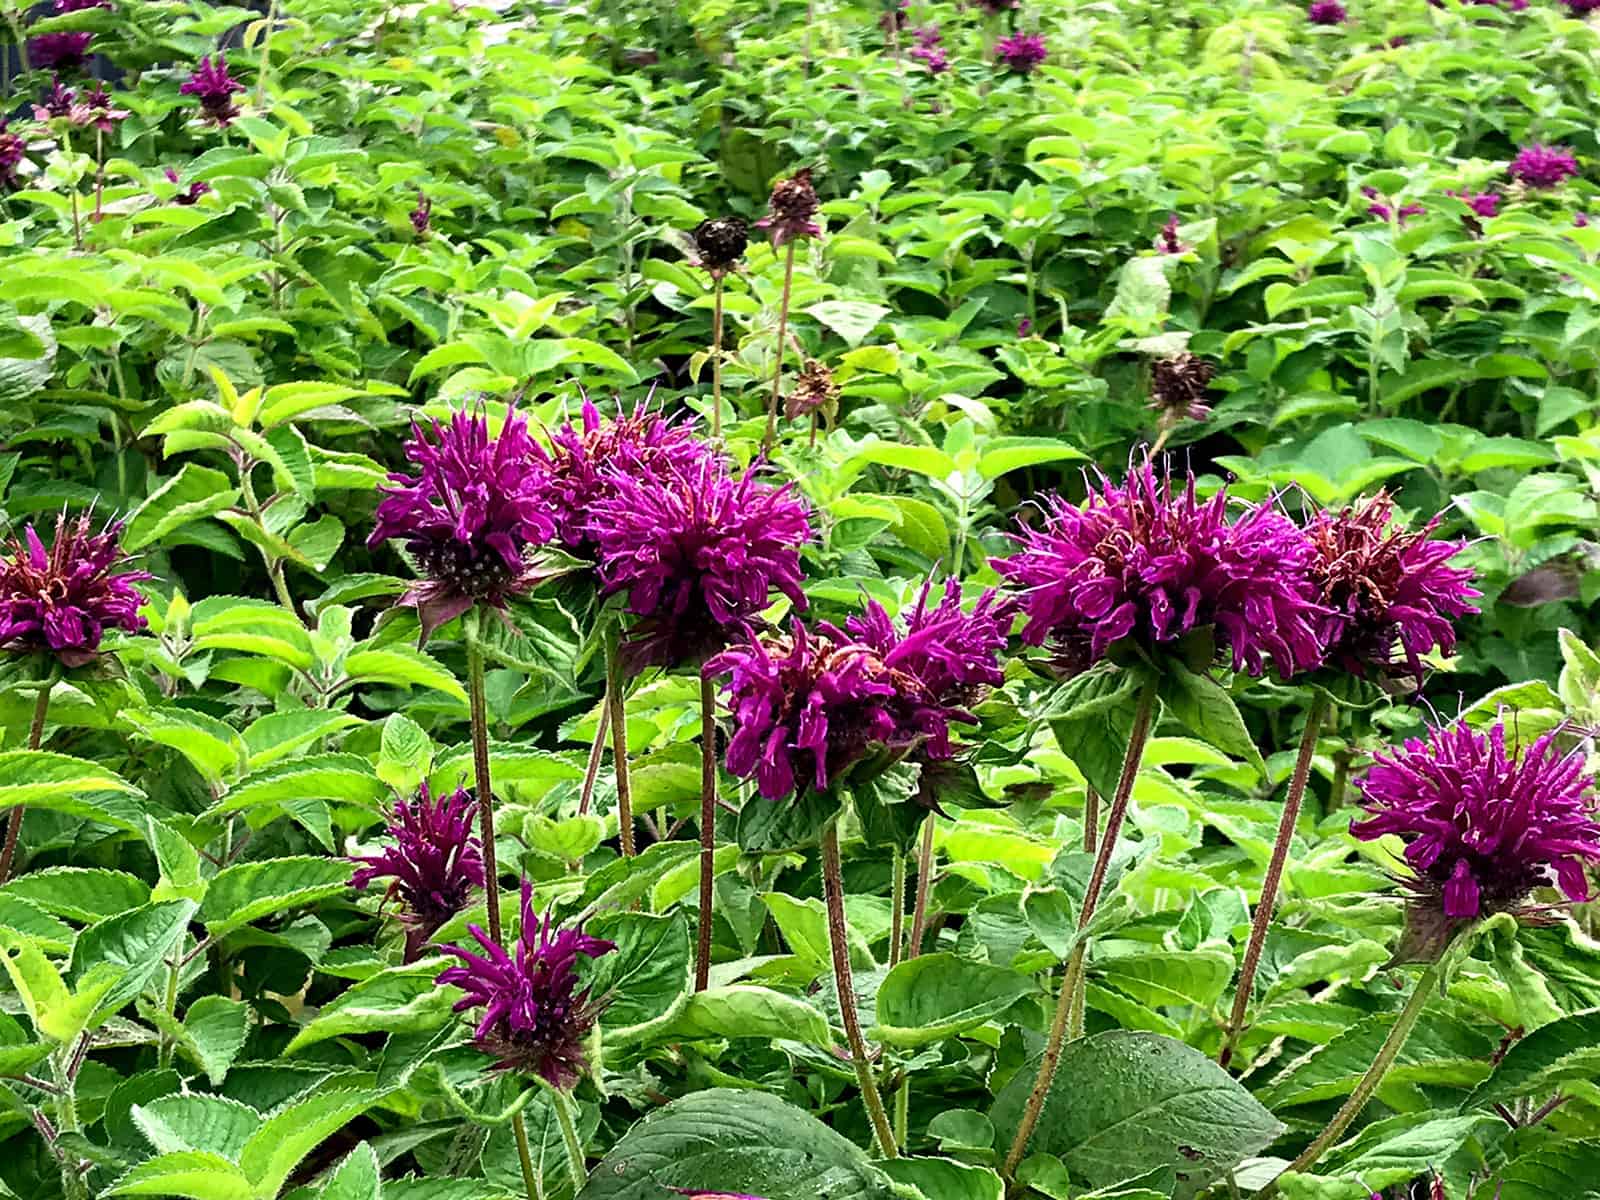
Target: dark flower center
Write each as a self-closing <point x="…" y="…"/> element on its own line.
<point x="464" y="569"/>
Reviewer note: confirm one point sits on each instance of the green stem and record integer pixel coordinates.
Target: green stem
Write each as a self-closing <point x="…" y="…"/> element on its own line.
<point x="569" y="1134"/>
<point x="1091" y="820"/>
<point x="1274" y="877"/>
<point x="777" y="365"/>
<point x="266" y="50"/>
<point x="708" y="828"/>
<point x="168" y="1046"/>
<point x="615" y="698"/>
<point x="597" y="751"/>
<point x="480" y="772"/>
<point x="530" y="1180"/>
<point x="1072" y="980"/>
<point x="1368" y="1084"/>
<point x="902" y="1112"/>
<point x="919" y="912"/>
<point x="897" y="907"/>
<point x="41" y="708"/>
<point x="716" y="357"/>
<point x="839" y="942"/>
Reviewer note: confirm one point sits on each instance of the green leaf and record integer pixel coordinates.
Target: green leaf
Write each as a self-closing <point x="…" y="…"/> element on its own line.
<point x="936" y="996"/>
<point x="1387" y="1153"/>
<point x="286" y="401"/>
<point x="191" y="1174"/>
<point x="748" y="1011"/>
<point x="1005" y="454"/>
<point x="735" y="1141"/>
<point x="249" y="891"/>
<point x="196" y="1122"/>
<point x="1193" y="977"/>
<point x="1568" y="1170"/>
<point x="336" y="778"/>
<point x="280" y="734"/>
<point x="179" y="863"/>
<point x="1123" y="1104"/>
<point x="358" y="1177"/>
<point x="1440" y="1052"/>
<point x="1092" y="716"/>
<point x="214" y="748"/>
<point x="193" y="494"/>
<point x="291" y="1134"/>
<point x="215" y="1029"/>
<point x="61" y="783"/>
<point x="945" y="1179"/>
<point x="648" y="975"/>
<point x="405" y="667"/>
<point x="399" y="1000"/>
<point x="1206" y="709"/>
<point x="131" y="948"/>
<point x="852" y="320"/>
<point x="254" y="627"/>
<point x="84" y="894"/>
<point x="1552" y="1054"/>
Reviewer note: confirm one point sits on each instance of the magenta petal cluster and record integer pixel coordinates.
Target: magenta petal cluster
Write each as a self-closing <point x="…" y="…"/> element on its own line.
<point x="1543" y="167"/>
<point x="12" y="151"/>
<point x="1149" y="562"/>
<point x="192" y="195"/>
<point x="1383" y="209"/>
<point x="435" y="863"/>
<point x="1484" y="823"/>
<point x="61" y="600"/>
<point x="1482" y="204"/>
<point x="1385" y="588"/>
<point x="469" y="516"/>
<point x="1327" y="12"/>
<point x="535" y="1017"/>
<point x="1580" y="8"/>
<point x="214" y="88"/>
<point x="1021" y="52"/>
<point x="59" y="51"/>
<point x="698" y="553"/>
<point x="588" y="455"/>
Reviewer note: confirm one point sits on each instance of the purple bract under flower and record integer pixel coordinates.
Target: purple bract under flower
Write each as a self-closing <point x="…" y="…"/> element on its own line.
<point x="1385" y="586"/>
<point x="12" y="151"/>
<point x="62" y="600"/>
<point x="1484" y="825"/>
<point x="1138" y="561"/>
<point x="421" y="216"/>
<point x="435" y="862"/>
<point x="1383" y="208"/>
<point x="59" y="51"/>
<point x="1483" y="204"/>
<point x="1327" y="12"/>
<point x="214" y="88"/>
<point x="1543" y="166"/>
<point x="1168" y="241"/>
<point x="535" y="1018"/>
<point x="587" y="455"/>
<point x="1021" y="52"/>
<point x="469" y="516"/>
<point x="699" y="554"/>
<point x="790" y="209"/>
<point x="192" y="196"/>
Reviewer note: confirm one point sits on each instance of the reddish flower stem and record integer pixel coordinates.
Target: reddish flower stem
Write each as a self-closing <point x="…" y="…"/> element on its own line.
<point x="480" y="775"/>
<point x="615" y="686"/>
<point x="708" y="828"/>
<point x="777" y="366"/>
<point x="919" y="915"/>
<point x="597" y="751"/>
<point x="41" y="707"/>
<point x="716" y="355"/>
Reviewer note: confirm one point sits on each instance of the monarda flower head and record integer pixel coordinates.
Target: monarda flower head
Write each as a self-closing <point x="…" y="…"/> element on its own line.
<point x="421" y="217"/>
<point x="1168" y="242"/>
<point x="1141" y="561"/>
<point x="1543" y="167"/>
<point x="815" y="391"/>
<point x="1385" y="588"/>
<point x="435" y="862"/>
<point x="59" y="51"/>
<point x="61" y="601"/>
<point x="720" y="242"/>
<point x="1580" y="8"/>
<point x="1383" y="208"/>
<point x="1482" y="204"/>
<point x="535" y="1017"/>
<point x="192" y="195"/>
<point x="1021" y="52"/>
<point x="698" y="553"/>
<point x="1484" y="824"/>
<point x="214" y="88"/>
<point x="12" y="151"/>
<point x="1327" y="12"/>
<point x="587" y="457"/>
<point x="470" y="516"/>
<point x="790" y="211"/>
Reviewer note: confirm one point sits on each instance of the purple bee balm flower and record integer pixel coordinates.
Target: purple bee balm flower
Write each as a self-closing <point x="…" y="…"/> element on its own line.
<point x="59" y="51"/>
<point x="698" y="553"/>
<point x="1385" y="587"/>
<point x="1483" y="204"/>
<point x="793" y="204"/>
<point x="1579" y="8"/>
<point x="12" y="151"/>
<point x="1543" y="166"/>
<point x="435" y="863"/>
<point x="66" y="6"/>
<point x="1139" y="561"/>
<point x="1327" y="12"/>
<point x="535" y="1017"/>
<point x="192" y="196"/>
<point x="1483" y="824"/>
<point x="470" y="515"/>
<point x="1580" y="220"/>
<point x="1383" y="208"/>
<point x="1167" y="240"/>
<point x="61" y="601"/>
<point x="1021" y="52"/>
<point x="60" y="102"/>
<point x="214" y="88"/>
<point x="1025" y="327"/>
<point x="586" y="457"/>
<point x="422" y="215"/>
<point x="932" y="56"/>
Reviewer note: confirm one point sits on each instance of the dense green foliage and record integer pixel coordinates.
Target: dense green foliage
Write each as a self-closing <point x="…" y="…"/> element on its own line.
<point x="198" y="1004"/>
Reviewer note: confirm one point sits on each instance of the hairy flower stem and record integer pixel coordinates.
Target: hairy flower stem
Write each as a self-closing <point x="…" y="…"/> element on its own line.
<point x="839" y="942"/>
<point x="1091" y="820"/>
<point x="708" y="828"/>
<point x="569" y="1135"/>
<point x="1368" y="1084"/>
<point x="919" y="912"/>
<point x="1341" y="776"/>
<point x="1072" y="980"/>
<point x="897" y="908"/>
<point x="591" y="773"/>
<point x="480" y="774"/>
<point x="777" y="366"/>
<point x="716" y="356"/>
<point x="41" y="707"/>
<point x="1274" y="877"/>
<point x="619" y="744"/>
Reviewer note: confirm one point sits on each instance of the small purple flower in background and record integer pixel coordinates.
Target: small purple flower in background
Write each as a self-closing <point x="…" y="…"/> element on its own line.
<point x="1385" y="588"/>
<point x="469" y="516"/>
<point x="62" y="600"/>
<point x="435" y="863"/>
<point x="1021" y="52"/>
<point x="12" y="151"/>
<point x="61" y="102"/>
<point x="59" y="51"/>
<point x="790" y="209"/>
<point x="1484" y="825"/>
<point x="998" y="6"/>
<point x="1579" y="8"/>
<point x="697" y="1195"/>
<point x="581" y="466"/>
<point x="1543" y="167"/>
<point x="66" y="6"/>
<point x="1142" y="561"/>
<point x="214" y="88"/>
<point x="1168" y="242"/>
<point x="1383" y="208"/>
<point x="929" y="50"/>
<point x="1327" y="12"/>
<point x="1025" y="327"/>
<point x="1483" y="204"/>
<point x="1580" y="220"/>
<point x="814" y="391"/>
<point x="535" y="1018"/>
<point x="192" y="196"/>
<point x="105" y="117"/>
<point x="422" y="215"/>
<point x="698" y="553"/>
